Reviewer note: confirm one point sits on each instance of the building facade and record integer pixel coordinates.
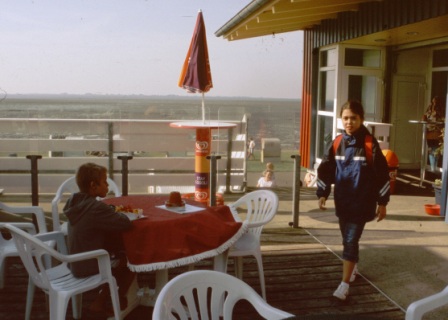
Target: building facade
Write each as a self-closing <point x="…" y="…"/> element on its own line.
<point x="392" y="55"/>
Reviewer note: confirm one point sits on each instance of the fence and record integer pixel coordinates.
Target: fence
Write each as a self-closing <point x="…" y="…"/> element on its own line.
<point x="153" y="155"/>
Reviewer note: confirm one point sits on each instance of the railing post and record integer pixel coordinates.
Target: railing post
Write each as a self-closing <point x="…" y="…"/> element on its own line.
<point x="296" y="192"/>
<point x="124" y="173"/>
<point x="110" y="147"/>
<point x="34" y="179"/>
<point x="213" y="171"/>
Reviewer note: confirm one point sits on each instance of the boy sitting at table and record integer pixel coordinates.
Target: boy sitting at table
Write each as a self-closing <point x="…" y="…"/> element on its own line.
<point x="95" y="225"/>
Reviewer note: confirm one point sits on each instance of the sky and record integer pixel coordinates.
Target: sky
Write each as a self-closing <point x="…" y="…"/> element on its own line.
<point x="137" y="47"/>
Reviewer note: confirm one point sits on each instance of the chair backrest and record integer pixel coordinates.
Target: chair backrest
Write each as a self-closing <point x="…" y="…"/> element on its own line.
<point x="200" y="293"/>
<point x="69" y="186"/>
<point x="417" y="309"/>
<point x="34" y="254"/>
<point x="261" y="206"/>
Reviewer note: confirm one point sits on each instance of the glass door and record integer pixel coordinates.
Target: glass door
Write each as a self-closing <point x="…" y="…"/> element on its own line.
<point x="347" y="73"/>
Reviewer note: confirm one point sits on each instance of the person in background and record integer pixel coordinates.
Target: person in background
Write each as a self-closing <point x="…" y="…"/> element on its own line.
<point x="361" y="190"/>
<point x="93" y="225"/>
<point x="434" y="113"/>
<point x="266" y="180"/>
<point x="270" y="167"/>
<point x="251" y="148"/>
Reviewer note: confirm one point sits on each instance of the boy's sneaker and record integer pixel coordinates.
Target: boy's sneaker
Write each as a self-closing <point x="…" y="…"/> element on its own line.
<point x="354" y="273"/>
<point x="342" y="291"/>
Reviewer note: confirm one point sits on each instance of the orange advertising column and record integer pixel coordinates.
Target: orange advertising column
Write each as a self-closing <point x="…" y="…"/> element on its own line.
<point x="202" y="165"/>
<point x="202" y="149"/>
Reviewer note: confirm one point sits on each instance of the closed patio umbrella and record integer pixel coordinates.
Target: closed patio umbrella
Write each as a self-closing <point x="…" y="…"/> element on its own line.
<point x="196" y="76"/>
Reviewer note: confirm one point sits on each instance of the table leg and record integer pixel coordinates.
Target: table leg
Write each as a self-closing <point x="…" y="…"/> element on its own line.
<point x="149" y="296"/>
<point x="133" y="299"/>
<point x="220" y="262"/>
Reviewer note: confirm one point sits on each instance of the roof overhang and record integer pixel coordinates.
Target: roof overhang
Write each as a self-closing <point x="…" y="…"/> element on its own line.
<point x="270" y="17"/>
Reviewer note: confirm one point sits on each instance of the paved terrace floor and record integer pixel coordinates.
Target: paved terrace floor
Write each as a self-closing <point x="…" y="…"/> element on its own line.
<point x="402" y="259"/>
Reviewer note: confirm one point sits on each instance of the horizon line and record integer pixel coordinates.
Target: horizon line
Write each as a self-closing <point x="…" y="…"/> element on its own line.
<point x="142" y="95"/>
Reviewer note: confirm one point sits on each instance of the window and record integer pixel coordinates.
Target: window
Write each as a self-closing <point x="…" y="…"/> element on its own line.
<point x="325" y="136"/>
<point x="440" y="58"/>
<point x="327" y="90"/>
<point x="328" y="58"/>
<point x="370" y="58"/>
<point x="361" y="88"/>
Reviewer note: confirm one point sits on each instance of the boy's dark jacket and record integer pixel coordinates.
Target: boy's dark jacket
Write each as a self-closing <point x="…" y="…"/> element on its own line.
<point x="358" y="186"/>
<point x="92" y="225"/>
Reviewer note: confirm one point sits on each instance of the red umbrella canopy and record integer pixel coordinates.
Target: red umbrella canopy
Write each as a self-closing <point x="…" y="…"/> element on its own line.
<point x="196" y="76"/>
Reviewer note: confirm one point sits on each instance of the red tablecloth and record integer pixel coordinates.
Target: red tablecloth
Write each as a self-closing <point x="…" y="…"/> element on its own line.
<point x="166" y="239"/>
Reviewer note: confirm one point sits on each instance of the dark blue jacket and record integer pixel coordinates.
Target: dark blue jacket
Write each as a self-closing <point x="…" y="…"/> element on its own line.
<point x="358" y="186"/>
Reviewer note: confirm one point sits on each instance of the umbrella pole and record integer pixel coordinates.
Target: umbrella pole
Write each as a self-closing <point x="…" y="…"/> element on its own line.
<point x="203" y="108"/>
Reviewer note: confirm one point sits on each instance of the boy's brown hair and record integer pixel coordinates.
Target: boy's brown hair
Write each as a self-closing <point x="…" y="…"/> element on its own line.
<point x="87" y="173"/>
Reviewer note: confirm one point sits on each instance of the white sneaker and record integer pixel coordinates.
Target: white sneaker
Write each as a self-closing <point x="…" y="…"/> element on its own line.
<point x="342" y="291"/>
<point x="354" y="273"/>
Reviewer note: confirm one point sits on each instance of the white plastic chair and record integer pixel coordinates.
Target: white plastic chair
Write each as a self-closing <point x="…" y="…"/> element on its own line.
<point x="418" y="308"/>
<point x="58" y="281"/>
<point x="7" y="246"/>
<point x="69" y="186"/>
<point x="208" y="293"/>
<point x="261" y="206"/>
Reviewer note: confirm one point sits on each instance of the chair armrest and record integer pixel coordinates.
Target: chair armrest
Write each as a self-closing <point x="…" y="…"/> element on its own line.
<point x="26" y="226"/>
<point x="102" y="257"/>
<point x="94" y="254"/>
<point x="36" y="210"/>
<point x="56" y="236"/>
